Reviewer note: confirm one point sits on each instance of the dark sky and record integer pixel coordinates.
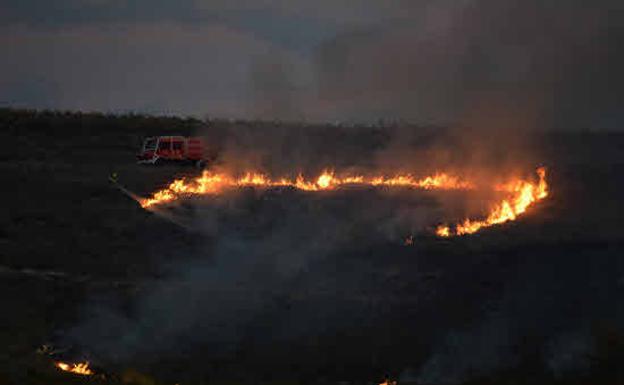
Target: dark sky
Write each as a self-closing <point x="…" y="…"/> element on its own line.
<point x="546" y="63"/>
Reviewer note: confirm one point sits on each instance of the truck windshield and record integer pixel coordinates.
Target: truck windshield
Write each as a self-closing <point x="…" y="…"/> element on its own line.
<point x="150" y="144"/>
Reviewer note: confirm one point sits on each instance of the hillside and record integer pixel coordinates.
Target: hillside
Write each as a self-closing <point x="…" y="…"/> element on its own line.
<point x="69" y="238"/>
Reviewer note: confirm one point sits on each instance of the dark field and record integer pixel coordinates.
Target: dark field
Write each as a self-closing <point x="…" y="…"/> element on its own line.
<point x="280" y="287"/>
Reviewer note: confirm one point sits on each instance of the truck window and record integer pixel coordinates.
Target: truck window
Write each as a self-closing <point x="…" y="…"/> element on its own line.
<point x="164" y="145"/>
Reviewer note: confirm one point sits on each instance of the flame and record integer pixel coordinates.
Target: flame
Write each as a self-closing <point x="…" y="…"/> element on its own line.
<point x="443" y="231"/>
<point x="209" y="183"/>
<point x="520" y="193"/>
<point x="523" y="194"/>
<point x="79" y="368"/>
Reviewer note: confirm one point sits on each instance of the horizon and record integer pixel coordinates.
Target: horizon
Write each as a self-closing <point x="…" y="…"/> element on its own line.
<point x="378" y="123"/>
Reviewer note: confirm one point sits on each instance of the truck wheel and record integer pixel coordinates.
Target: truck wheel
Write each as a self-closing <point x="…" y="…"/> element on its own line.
<point x="200" y="164"/>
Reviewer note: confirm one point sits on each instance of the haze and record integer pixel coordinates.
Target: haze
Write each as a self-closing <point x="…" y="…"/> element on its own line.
<point x="545" y="64"/>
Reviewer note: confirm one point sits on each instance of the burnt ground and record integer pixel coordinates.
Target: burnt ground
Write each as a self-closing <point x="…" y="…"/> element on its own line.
<point x="534" y="301"/>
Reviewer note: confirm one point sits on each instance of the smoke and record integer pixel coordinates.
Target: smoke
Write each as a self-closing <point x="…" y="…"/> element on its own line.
<point x="569" y="352"/>
<point x="281" y="267"/>
<point x="205" y="302"/>
<point x="275" y="92"/>
<point x="536" y="325"/>
<point x="539" y="65"/>
<point x="462" y="57"/>
<point x="556" y="64"/>
<point x="267" y="272"/>
<point x="472" y="352"/>
<point x="287" y="150"/>
<point x="325" y="274"/>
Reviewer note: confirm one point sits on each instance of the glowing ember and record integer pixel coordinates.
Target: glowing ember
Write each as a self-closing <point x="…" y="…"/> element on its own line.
<point x="79" y="368"/>
<point x="209" y="183"/>
<point x="523" y="194"/>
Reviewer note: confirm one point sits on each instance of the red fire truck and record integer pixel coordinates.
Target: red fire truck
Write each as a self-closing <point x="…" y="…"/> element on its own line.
<point x="164" y="149"/>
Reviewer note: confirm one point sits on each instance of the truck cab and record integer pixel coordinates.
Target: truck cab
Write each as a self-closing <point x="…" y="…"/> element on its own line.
<point x="160" y="149"/>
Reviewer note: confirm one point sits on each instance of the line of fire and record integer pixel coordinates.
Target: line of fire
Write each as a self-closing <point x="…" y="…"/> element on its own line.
<point x="518" y="193"/>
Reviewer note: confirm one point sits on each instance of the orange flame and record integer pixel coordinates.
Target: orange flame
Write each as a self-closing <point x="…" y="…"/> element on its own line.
<point x="523" y="194"/>
<point x="209" y="183"/>
<point x="79" y="368"/>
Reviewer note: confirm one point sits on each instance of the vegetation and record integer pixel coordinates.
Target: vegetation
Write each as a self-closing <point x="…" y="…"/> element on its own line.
<point x="61" y="214"/>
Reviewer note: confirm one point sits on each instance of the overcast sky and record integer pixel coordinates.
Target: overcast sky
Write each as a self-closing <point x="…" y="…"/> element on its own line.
<point x="548" y="63"/>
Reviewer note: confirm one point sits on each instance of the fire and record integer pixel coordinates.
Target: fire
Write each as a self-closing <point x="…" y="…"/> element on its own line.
<point x="209" y="183"/>
<point x="523" y="194"/>
<point x="520" y="193"/>
<point x="443" y="231"/>
<point x="325" y="180"/>
<point x="79" y="368"/>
